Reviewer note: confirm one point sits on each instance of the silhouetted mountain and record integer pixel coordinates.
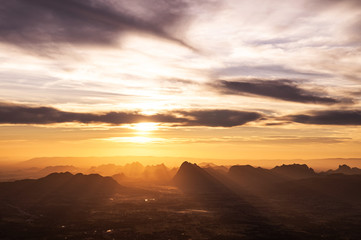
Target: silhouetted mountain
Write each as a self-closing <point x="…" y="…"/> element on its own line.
<point x="252" y="178"/>
<point x="344" y="169"/>
<point x="190" y="178"/>
<point x="294" y="171"/>
<point x="60" y="186"/>
<point x="33" y="172"/>
<point x="52" y="169"/>
<point x="157" y="173"/>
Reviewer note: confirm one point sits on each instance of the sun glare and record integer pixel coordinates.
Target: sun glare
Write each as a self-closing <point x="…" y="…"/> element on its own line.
<point x="145" y="127"/>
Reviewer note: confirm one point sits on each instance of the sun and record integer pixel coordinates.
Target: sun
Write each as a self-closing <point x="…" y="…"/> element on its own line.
<point x="145" y="126"/>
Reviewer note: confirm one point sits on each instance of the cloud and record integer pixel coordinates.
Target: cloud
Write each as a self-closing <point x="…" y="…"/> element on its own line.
<point x="38" y="22"/>
<point x="265" y="70"/>
<point x="18" y="114"/>
<point x="330" y="3"/>
<point x="286" y="90"/>
<point x="21" y="114"/>
<point x="351" y="9"/>
<point x="328" y="117"/>
<point x="219" y="118"/>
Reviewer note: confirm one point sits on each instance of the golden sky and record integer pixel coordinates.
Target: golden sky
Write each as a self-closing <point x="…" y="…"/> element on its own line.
<point x="223" y="79"/>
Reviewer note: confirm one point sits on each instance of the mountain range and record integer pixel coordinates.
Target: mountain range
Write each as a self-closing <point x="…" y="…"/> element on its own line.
<point x="58" y="187"/>
<point x="293" y="180"/>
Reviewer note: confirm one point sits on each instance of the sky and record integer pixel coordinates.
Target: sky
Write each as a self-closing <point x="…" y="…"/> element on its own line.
<point x="225" y="79"/>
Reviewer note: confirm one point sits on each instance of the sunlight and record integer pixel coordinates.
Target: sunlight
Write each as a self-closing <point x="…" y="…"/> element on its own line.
<point x="137" y="139"/>
<point x="145" y="127"/>
<point x="140" y="139"/>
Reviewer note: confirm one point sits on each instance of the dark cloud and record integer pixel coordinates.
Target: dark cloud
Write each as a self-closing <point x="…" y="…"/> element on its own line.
<point x="37" y="22"/>
<point x="328" y="117"/>
<point x="219" y="118"/>
<point x="286" y="90"/>
<point x="19" y="114"/>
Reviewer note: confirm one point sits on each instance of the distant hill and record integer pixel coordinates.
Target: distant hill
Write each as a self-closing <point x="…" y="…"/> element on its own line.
<point x="136" y="172"/>
<point x="83" y="162"/>
<point x="131" y="170"/>
<point x="259" y="179"/>
<point x="344" y="169"/>
<point x="252" y="178"/>
<point x="134" y="169"/>
<point x="105" y="169"/>
<point x="288" y="186"/>
<point x="33" y="173"/>
<point x="191" y="178"/>
<point x="60" y="186"/>
<point x="52" y="169"/>
<point x="212" y="178"/>
<point x="157" y="173"/>
<point x="86" y="162"/>
<point x="294" y="171"/>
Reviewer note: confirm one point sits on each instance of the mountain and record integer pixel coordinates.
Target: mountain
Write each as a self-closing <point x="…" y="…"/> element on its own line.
<point x="157" y="174"/>
<point x="86" y="162"/>
<point x="191" y="178"/>
<point x="134" y="170"/>
<point x="59" y="187"/>
<point x="52" y="169"/>
<point x="252" y="178"/>
<point x="13" y="174"/>
<point x="260" y="179"/>
<point x="344" y="169"/>
<point x="294" y="171"/>
<point x="105" y="169"/>
<point x="131" y="170"/>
